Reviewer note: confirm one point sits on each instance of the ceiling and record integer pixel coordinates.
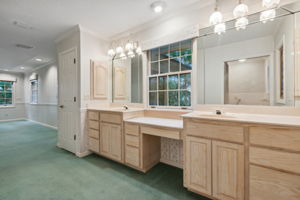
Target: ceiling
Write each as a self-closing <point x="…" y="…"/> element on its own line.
<point x="42" y="21"/>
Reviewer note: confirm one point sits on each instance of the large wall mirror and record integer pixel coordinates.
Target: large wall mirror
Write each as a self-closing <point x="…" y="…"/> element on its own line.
<point x="127" y="80"/>
<point x="252" y="66"/>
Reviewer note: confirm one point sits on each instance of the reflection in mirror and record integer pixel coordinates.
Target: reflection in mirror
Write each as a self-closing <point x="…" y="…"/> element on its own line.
<point x="254" y="66"/>
<point x="128" y="80"/>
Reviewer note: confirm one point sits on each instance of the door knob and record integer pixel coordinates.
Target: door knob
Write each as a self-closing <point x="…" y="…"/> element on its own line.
<point x="61" y="106"/>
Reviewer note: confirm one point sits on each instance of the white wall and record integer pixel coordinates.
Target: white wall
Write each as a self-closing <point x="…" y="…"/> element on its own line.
<point x="45" y="111"/>
<point x="17" y="111"/>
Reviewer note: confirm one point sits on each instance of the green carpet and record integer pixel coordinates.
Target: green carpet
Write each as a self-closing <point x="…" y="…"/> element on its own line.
<point x="33" y="168"/>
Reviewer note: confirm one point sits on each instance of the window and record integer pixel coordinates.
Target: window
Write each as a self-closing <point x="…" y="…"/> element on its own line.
<point x="6" y="93"/>
<point x="170" y="70"/>
<point x="34" y="91"/>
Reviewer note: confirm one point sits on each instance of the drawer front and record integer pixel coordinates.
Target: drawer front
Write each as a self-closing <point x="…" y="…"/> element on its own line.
<point x="112" y="118"/>
<point x="132" y="156"/>
<point x="275" y="159"/>
<point x="132" y="140"/>
<point x="94" y="125"/>
<point x="276" y="137"/>
<point x="227" y="133"/>
<point x="93" y="144"/>
<point x="167" y="133"/>
<point x="268" y="184"/>
<point x="93" y="115"/>
<point x="132" y="129"/>
<point x="93" y="133"/>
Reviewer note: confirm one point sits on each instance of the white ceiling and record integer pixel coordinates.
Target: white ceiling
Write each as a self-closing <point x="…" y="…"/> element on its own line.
<point x="51" y="18"/>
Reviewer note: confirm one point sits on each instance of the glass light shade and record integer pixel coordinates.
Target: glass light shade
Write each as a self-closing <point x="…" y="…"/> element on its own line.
<point x="241" y="23"/>
<point x="119" y="49"/>
<point x="215" y="18"/>
<point x="270" y="3"/>
<point x="123" y="56"/>
<point x="130" y="54"/>
<point x="268" y="15"/>
<point x="240" y="10"/>
<point x="138" y="50"/>
<point x="129" y="46"/>
<point x="220" y="28"/>
<point x="111" y="52"/>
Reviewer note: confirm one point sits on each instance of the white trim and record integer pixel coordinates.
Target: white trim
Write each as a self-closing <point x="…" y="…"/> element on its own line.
<point x="67" y="33"/>
<point x="40" y="123"/>
<point x="83" y="154"/>
<point x="47" y="64"/>
<point x="10" y="120"/>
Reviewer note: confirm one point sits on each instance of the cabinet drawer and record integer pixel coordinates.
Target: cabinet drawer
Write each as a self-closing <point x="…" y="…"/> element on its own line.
<point x="132" y="129"/>
<point x="276" y="159"/>
<point x="132" y="140"/>
<point x="222" y="132"/>
<point x="94" y="124"/>
<point x="93" y="133"/>
<point x="132" y="156"/>
<point x="268" y="184"/>
<point x="161" y="132"/>
<point x="112" y="118"/>
<point x="93" y="144"/>
<point x="276" y="137"/>
<point x="93" y="115"/>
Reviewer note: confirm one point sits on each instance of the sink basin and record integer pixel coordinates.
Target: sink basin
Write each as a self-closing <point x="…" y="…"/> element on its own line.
<point x="213" y="115"/>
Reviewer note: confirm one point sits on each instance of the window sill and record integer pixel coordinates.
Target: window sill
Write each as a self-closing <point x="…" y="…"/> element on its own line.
<point x="1" y="107"/>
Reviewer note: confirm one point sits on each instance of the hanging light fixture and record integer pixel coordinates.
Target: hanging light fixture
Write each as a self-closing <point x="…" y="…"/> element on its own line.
<point x="139" y="50"/>
<point x="111" y="52"/>
<point x="129" y="46"/>
<point x="268" y="15"/>
<point x="270" y="3"/>
<point x="240" y="12"/>
<point x="216" y="17"/>
<point x="129" y="50"/>
<point x="130" y="54"/>
<point x="123" y="56"/>
<point x="220" y="28"/>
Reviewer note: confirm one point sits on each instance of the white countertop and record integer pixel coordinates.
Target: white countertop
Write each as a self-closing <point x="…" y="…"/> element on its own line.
<point x="119" y="110"/>
<point x="282" y="120"/>
<point x="168" y="123"/>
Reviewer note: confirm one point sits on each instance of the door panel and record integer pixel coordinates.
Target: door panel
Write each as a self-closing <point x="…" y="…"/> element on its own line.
<point x="228" y="171"/>
<point x="105" y="139"/>
<point x="116" y="142"/>
<point x="198" y="164"/>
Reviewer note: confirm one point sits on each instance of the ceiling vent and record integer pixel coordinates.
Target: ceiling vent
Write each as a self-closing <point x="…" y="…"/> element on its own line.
<point x="24" y="46"/>
<point x="22" y="25"/>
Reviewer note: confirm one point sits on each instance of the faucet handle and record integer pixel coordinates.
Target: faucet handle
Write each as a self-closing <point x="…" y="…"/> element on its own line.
<point x="218" y="112"/>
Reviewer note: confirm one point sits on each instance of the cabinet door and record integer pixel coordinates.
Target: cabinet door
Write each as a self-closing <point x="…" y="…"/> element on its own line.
<point x="99" y="89"/>
<point x="198" y="164"/>
<point x="228" y="171"/>
<point x="116" y="142"/>
<point x="105" y="139"/>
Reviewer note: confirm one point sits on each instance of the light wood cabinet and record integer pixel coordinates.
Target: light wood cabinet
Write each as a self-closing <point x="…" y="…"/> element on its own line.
<point x="111" y="141"/>
<point x="198" y="165"/>
<point x="228" y="170"/>
<point x="99" y="80"/>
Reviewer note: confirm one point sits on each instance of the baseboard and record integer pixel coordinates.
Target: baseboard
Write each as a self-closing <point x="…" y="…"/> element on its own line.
<point x="172" y="163"/>
<point x="83" y="154"/>
<point x="47" y="125"/>
<point x="10" y="120"/>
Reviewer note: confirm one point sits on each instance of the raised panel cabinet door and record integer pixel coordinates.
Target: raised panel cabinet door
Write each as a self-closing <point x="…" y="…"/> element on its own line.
<point x="105" y="139"/>
<point x="228" y="170"/>
<point x="116" y="142"/>
<point x="198" y="164"/>
<point x="120" y="84"/>
<point x="99" y="80"/>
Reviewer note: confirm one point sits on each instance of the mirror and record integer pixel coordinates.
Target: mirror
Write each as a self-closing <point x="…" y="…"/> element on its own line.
<point x="252" y="66"/>
<point x="127" y="80"/>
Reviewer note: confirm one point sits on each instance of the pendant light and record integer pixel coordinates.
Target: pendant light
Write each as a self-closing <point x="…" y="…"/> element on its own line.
<point x="267" y="15"/>
<point x="270" y="3"/>
<point x="216" y="17"/>
<point x="220" y="28"/>
<point x="240" y="12"/>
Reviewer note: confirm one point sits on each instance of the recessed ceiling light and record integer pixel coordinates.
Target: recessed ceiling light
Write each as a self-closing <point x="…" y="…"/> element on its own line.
<point x="158" y="6"/>
<point x="22" y="68"/>
<point x="242" y="60"/>
<point x="38" y="59"/>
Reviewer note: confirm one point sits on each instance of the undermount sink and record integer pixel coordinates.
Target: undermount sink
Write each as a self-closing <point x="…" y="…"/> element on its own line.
<point x="213" y="115"/>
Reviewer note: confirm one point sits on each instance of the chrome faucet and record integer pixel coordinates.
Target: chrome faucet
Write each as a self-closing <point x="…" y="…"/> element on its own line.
<point x="218" y="112"/>
<point x="125" y="107"/>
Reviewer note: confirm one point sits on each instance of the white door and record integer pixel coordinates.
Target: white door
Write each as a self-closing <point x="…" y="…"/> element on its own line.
<point x="68" y="106"/>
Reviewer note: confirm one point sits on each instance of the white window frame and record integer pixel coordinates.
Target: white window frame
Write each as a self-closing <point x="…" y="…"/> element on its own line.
<point x="193" y="72"/>
<point x="31" y="91"/>
<point x="12" y="95"/>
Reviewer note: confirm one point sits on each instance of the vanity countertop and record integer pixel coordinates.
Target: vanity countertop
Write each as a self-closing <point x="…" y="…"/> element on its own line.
<point x="118" y="110"/>
<point x="282" y="120"/>
<point x="162" y="122"/>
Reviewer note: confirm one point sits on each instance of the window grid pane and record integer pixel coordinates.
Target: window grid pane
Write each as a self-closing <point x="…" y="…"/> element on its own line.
<point x="6" y="93"/>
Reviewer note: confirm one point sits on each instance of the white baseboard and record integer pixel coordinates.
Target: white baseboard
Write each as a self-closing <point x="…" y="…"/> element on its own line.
<point x="10" y="120"/>
<point x="83" y="154"/>
<point x="47" y="125"/>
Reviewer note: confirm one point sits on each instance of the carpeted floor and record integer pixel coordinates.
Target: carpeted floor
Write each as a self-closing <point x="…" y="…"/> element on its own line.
<point x="33" y="168"/>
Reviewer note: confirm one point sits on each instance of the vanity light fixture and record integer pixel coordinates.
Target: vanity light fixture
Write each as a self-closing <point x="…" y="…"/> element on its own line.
<point x="123" y="56"/>
<point x="158" y="6"/>
<point x="220" y="28"/>
<point x="139" y="50"/>
<point x="119" y="49"/>
<point x="38" y="59"/>
<point x="216" y="17"/>
<point x="130" y="49"/>
<point x="241" y="23"/>
<point x="270" y="3"/>
<point x="111" y="52"/>
<point x="240" y="12"/>
<point x="267" y="15"/>
<point x="130" y="54"/>
<point x="129" y="46"/>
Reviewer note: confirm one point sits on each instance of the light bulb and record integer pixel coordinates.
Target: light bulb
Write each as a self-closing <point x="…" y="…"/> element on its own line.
<point x="220" y="28"/>
<point x="241" y="23"/>
<point x="139" y="50"/>
<point x="119" y="49"/>
<point x="215" y="18"/>
<point x="130" y="54"/>
<point x="129" y="46"/>
<point x="240" y="10"/>
<point x="111" y="52"/>
<point x="123" y="56"/>
<point x="268" y="15"/>
<point x="270" y="3"/>
<point x="158" y="9"/>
